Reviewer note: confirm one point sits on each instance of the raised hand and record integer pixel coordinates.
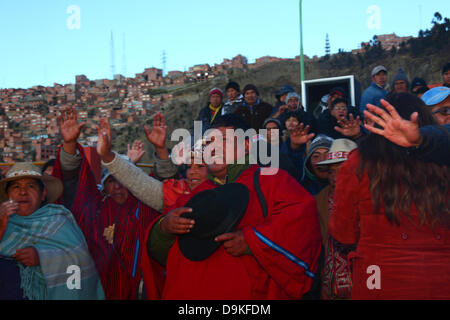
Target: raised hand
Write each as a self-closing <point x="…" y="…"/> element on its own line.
<point x="282" y="109"/>
<point x="350" y="128"/>
<point x="299" y="136"/>
<point x="7" y="209"/>
<point x="180" y="153"/>
<point x="69" y="126"/>
<point x="394" y="128"/>
<point x="104" y="141"/>
<point x="70" y="129"/>
<point x="157" y="135"/>
<point x="173" y="223"/>
<point x="136" y="151"/>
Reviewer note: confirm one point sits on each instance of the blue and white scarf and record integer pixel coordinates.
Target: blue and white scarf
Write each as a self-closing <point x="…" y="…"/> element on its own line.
<point x="62" y="248"/>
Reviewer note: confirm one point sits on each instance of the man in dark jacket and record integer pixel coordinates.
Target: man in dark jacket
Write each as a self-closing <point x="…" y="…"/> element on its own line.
<point x="400" y="82"/>
<point x="281" y="98"/>
<point x="339" y="113"/>
<point x="254" y="110"/>
<point x="274" y="139"/>
<point x="294" y="105"/>
<point x="315" y="177"/>
<point x="419" y="87"/>
<point x="212" y="110"/>
<point x="235" y="98"/>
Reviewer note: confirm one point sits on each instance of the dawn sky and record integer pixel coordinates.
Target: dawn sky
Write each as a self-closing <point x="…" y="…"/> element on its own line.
<point x="51" y="41"/>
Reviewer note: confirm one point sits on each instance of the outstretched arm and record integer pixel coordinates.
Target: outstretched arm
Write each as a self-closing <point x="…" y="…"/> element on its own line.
<point x="70" y="129"/>
<point x="69" y="159"/>
<point x="164" y="167"/>
<point x="350" y="128"/>
<point x="429" y="143"/>
<point x="144" y="187"/>
<point x="157" y="136"/>
<point x="402" y="132"/>
<point x="300" y="136"/>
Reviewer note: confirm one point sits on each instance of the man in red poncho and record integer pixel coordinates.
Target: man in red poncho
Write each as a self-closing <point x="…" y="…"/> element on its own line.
<point x="266" y="257"/>
<point x="113" y="222"/>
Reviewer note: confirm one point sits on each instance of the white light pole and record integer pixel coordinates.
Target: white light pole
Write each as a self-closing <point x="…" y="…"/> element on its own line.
<point x="302" y="63"/>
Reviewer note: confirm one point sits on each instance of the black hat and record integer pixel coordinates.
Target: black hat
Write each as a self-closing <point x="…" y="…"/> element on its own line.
<point x="250" y="87"/>
<point x="338" y="90"/>
<point x="216" y="211"/>
<point x="418" y="82"/>
<point x="233" y="85"/>
<point x="285" y="89"/>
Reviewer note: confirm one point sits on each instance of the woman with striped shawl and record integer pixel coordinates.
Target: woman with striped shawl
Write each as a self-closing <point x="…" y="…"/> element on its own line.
<point x="43" y="253"/>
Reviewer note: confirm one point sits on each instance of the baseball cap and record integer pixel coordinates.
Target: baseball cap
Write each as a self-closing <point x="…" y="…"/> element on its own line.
<point x="435" y="95"/>
<point x="339" y="151"/>
<point x="378" y="69"/>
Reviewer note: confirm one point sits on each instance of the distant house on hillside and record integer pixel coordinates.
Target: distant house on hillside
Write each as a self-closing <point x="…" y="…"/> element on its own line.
<point x="264" y="60"/>
<point x="387" y="41"/>
<point x="150" y="74"/>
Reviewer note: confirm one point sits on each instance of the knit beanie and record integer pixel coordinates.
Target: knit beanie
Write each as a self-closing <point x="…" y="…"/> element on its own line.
<point x="293" y="95"/>
<point x="418" y="82"/>
<point x="233" y="85"/>
<point x="401" y="75"/>
<point x="251" y="87"/>
<point x="216" y="91"/>
<point x="276" y="121"/>
<point x="321" y="141"/>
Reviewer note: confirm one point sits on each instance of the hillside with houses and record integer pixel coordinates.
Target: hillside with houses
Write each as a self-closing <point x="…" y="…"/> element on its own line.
<point x="28" y="117"/>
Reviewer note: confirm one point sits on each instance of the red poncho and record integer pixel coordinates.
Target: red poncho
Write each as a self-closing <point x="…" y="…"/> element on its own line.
<point x="285" y="249"/>
<point x="114" y="234"/>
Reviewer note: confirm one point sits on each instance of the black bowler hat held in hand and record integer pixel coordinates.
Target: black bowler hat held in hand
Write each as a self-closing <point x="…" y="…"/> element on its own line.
<point x="216" y="211"/>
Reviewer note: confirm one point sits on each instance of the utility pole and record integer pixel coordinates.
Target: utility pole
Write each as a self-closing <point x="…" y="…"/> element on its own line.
<point x="124" y="59"/>
<point x="164" y="62"/>
<point x="113" y="63"/>
<point x="302" y="62"/>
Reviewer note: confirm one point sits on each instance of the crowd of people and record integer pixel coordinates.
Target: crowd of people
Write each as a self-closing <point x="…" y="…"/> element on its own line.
<point x="358" y="210"/>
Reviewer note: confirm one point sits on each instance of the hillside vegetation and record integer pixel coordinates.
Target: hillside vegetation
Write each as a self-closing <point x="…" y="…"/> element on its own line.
<point x="423" y="57"/>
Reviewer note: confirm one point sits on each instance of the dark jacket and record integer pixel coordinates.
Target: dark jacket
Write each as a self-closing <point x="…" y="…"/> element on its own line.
<point x="435" y="146"/>
<point x="285" y="162"/>
<point x="305" y="117"/>
<point x="327" y="122"/>
<point x="205" y="116"/>
<point x="256" y="114"/>
<point x="229" y="107"/>
<point x="297" y="157"/>
<point x="276" y="107"/>
<point x="312" y="184"/>
<point x="10" y="280"/>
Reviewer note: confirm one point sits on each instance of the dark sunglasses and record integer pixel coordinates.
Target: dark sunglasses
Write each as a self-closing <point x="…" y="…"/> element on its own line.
<point x="445" y="111"/>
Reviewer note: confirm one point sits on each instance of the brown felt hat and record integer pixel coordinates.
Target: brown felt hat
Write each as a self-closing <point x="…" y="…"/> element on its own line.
<point x="215" y="211"/>
<point x="23" y="170"/>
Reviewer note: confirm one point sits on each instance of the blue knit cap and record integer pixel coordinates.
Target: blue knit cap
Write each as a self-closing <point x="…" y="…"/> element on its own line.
<point x="401" y="75"/>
